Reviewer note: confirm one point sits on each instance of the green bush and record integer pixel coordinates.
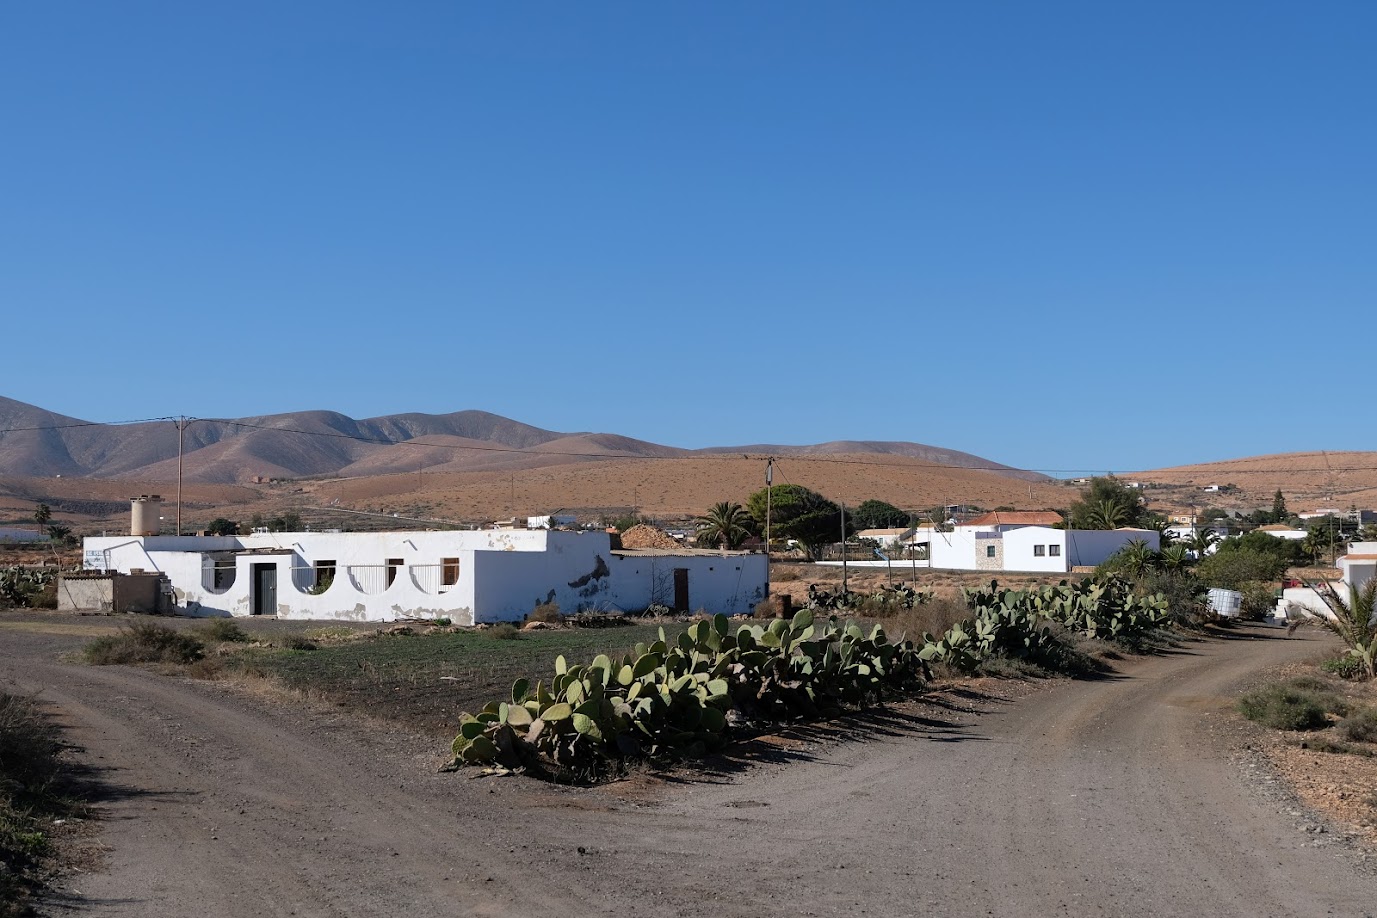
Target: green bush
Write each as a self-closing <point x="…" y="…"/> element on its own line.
<point x="1294" y="705"/>
<point x="1360" y="726"/>
<point x="1182" y="589"/>
<point x="1344" y="667"/>
<point x="224" y="630"/>
<point x="1233" y="566"/>
<point x="144" y="643"/>
<point x="1258" y="601"/>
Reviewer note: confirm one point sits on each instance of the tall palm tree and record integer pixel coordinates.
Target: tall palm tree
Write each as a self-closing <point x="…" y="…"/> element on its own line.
<point x="725" y="525"/>
<point x="1317" y="539"/>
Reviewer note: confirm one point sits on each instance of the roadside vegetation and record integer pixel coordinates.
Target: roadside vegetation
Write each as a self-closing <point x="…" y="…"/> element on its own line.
<point x="686" y="696"/>
<point x="30" y="801"/>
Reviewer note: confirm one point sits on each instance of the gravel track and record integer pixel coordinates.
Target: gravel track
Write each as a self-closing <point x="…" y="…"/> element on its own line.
<point x="1110" y="797"/>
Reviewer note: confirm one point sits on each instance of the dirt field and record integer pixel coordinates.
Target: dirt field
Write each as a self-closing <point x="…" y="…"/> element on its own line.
<point x="1129" y="795"/>
<point x="658" y="488"/>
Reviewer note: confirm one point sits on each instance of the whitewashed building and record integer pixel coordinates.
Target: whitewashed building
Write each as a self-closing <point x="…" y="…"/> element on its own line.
<point x="1355" y="569"/>
<point x="1020" y="541"/>
<point x="468" y="577"/>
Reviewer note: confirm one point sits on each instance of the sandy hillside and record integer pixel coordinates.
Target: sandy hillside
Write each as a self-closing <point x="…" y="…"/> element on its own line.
<point x="684" y="487"/>
<point x="1307" y="480"/>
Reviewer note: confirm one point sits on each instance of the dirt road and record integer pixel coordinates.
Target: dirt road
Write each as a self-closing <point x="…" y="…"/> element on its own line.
<point x="1107" y="798"/>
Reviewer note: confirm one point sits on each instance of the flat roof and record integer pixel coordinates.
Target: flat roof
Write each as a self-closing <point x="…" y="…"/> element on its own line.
<point x="679" y="553"/>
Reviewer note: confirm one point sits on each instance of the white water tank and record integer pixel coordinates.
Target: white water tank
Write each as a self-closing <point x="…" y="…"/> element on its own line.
<point x="1226" y="603"/>
<point x="144" y="512"/>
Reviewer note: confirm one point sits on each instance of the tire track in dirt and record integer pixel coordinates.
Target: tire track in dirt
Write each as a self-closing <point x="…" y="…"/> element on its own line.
<point x="1103" y="798"/>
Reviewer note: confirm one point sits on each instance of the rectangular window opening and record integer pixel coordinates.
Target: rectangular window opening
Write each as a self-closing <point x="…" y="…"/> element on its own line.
<point x="325" y="575"/>
<point x="1039" y="551"/>
<point x="449" y="571"/>
<point x="1054" y="550"/>
<point x="989" y="551"/>
<point x="393" y="565"/>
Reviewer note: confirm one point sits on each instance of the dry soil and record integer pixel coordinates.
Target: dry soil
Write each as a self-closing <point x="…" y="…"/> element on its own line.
<point x="1117" y="797"/>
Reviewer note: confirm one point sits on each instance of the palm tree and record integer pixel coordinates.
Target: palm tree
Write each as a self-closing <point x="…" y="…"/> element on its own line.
<point x="726" y="525"/>
<point x="1317" y="539"/>
<point x="1202" y="542"/>
<point x="1109" y="514"/>
<point x="1162" y="526"/>
<point x="1354" y="620"/>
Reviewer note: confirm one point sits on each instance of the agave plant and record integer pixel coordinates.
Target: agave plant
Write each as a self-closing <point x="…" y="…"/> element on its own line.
<point x="1354" y="620"/>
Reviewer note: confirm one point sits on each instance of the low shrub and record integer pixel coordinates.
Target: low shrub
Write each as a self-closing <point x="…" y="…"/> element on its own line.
<point x="933" y="617"/>
<point x="225" y="631"/>
<point x="547" y="612"/>
<point x="144" y="643"/>
<point x="1344" y="667"/>
<point x="1294" y="705"/>
<point x="1360" y="726"/>
<point x="297" y="642"/>
<point x="504" y="631"/>
<point x="764" y="609"/>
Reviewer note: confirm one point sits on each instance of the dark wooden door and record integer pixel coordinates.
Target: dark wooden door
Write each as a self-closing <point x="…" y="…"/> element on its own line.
<point x="681" y="594"/>
<point x="265" y="589"/>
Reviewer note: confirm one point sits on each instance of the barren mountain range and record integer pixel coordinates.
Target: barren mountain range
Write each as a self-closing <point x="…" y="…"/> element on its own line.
<point x="475" y="466"/>
<point x="313" y="444"/>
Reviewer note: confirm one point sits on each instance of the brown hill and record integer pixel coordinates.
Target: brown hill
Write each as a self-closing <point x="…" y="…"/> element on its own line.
<point x="315" y="444"/>
<point x="934" y="454"/>
<point x="679" y="487"/>
<point x="1307" y="480"/>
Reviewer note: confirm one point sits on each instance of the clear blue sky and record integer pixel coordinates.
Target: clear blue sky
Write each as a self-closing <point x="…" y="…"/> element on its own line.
<point x="1060" y="235"/>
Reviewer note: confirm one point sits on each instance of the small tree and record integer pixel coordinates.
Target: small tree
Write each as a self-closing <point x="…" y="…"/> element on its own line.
<point x="877" y="514"/>
<point x="1279" y="514"/>
<point x="222" y="527"/>
<point x="725" y="525"/>
<point x="41" y="515"/>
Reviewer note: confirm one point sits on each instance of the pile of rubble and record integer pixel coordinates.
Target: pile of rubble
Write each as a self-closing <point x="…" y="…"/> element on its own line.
<point x="643" y="536"/>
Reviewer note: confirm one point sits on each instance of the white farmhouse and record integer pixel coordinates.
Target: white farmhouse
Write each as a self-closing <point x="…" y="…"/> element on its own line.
<point x="466" y="576"/>
<point x="1027" y="542"/>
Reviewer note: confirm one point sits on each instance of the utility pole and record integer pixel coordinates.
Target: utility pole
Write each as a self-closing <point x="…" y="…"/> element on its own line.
<point x="843" y="546"/>
<point x="181" y="421"/>
<point x="769" y="480"/>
